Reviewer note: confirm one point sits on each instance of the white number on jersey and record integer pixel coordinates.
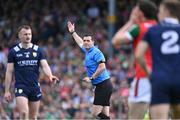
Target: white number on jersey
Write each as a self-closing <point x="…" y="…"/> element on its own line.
<point x="170" y="46"/>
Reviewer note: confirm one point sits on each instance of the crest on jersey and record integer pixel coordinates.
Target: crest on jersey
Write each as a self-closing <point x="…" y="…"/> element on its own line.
<point x="34" y="54"/>
<point x="19" y="55"/>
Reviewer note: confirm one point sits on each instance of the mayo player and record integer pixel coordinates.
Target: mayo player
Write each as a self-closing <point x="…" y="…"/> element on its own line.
<point x="164" y="41"/>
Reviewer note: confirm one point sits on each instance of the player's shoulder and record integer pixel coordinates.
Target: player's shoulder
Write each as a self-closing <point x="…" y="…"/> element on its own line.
<point x="148" y="24"/>
<point x="35" y="47"/>
<point x="96" y="49"/>
<point x="14" y="48"/>
<point x="154" y="28"/>
<point x="135" y="27"/>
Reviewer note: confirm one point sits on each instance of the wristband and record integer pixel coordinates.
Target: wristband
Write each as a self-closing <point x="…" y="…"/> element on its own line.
<point x="72" y="32"/>
<point x="91" y="78"/>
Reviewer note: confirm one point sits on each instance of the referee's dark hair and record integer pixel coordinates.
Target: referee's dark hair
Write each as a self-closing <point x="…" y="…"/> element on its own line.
<point x="90" y="34"/>
<point x="148" y="8"/>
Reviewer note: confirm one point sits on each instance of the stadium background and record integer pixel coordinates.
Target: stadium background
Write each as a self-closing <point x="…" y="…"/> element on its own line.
<point x="71" y="99"/>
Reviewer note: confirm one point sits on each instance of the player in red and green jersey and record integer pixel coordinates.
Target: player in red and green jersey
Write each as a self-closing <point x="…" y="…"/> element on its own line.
<point x="164" y="41"/>
<point x="135" y="34"/>
<point x="142" y="18"/>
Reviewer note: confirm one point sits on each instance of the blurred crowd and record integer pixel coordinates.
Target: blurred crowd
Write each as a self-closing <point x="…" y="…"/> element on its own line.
<point x="71" y="98"/>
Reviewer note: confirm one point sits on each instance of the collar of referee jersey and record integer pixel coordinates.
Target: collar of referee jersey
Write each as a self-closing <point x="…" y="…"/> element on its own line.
<point x="171" y="20"/>
<point x="90" y="49"/>
<point x="30" y="46"/>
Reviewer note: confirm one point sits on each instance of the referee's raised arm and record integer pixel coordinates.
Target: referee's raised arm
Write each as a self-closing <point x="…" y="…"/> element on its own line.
<point x="77" y="38"/>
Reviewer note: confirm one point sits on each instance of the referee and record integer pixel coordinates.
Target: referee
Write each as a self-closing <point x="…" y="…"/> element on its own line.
<point x="96" y="73"/>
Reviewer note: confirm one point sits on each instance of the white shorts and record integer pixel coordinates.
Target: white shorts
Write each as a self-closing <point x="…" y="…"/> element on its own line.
<point x="140" y="90"/>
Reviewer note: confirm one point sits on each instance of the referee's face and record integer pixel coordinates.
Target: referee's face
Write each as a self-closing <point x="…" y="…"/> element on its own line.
<point x="88" y="42"/>
<point x="25" y="35"/>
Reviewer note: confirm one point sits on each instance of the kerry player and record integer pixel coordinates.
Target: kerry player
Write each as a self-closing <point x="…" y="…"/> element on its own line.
<point x="24" y="61"/>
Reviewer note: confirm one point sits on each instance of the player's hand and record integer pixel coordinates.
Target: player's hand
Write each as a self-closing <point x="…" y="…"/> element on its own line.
<point x="53" y="79"/>
<point x="87" y="79"/>
<point x="134" y="15"/>
<point x="8" y="96"/>
<point x="71" y="26"/>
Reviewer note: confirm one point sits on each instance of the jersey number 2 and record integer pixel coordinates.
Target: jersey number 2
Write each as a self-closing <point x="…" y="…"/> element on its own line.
<point x="170" y="46"/>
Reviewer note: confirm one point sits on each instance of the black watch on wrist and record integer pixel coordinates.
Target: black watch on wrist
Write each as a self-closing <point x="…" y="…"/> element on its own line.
<point x="91" y="78"/>
<point x="73" y="32"/>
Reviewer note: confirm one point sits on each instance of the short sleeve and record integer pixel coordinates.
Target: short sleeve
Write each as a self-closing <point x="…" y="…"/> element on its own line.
<point x="11" y="56"/>
<point x="133" y="32"/>
<point x="83" y="49"/>
<point x="42" y="54"/>
<point x="98" y="57"/>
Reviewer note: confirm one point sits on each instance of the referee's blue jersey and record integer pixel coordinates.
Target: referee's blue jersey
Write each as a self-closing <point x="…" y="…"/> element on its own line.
<point x="93" y="57"/>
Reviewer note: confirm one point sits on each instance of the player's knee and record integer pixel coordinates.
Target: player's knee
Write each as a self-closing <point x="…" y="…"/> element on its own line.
<point x="24" y="114"/>
<point x="33" y="115"/>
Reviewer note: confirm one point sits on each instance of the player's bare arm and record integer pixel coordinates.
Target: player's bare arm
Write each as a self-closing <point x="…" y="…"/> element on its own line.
<point x="99" y="70"/>
<point x="8" y="78"/>
<point x="48" y="72"/>
<point x="77" y="38"/>
<point x="140" y="52"/>
<point x="120" y="36"/>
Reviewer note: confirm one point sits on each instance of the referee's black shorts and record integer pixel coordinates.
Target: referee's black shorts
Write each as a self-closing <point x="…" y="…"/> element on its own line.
<point x="103" y="93"/>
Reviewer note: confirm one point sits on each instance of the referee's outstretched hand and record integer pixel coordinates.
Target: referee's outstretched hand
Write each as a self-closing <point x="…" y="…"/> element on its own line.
<point x="71" y="26"/>
<point x="86" y="79"/>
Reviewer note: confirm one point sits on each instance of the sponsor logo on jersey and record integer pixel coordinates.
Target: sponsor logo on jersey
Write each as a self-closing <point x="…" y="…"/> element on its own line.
<point x="19" y="55"/>
<point x="27" y="62"/>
